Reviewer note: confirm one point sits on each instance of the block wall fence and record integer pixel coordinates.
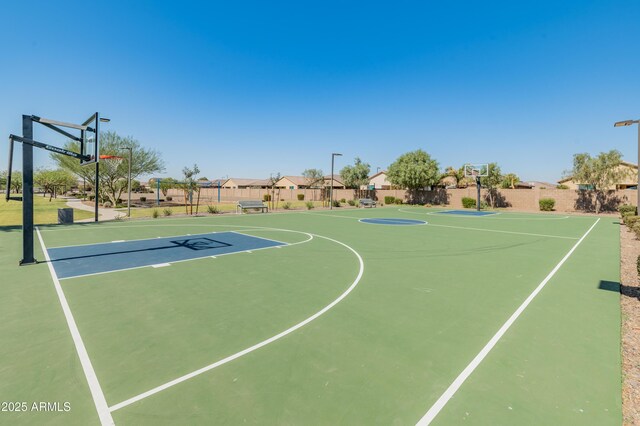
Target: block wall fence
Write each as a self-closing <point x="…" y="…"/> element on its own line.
<point x="566" y="200"/>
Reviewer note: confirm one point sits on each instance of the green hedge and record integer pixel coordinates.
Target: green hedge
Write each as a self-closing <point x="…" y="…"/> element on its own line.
<point x="468" y="202"/>
<point x="627" y="209"/>
<point x="389" y="199"/>
<point x="547" y="204"/>
<point x="630" y="220"/>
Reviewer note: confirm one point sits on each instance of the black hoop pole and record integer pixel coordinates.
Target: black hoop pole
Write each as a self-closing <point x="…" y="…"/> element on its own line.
<point x="27" y="193"/>
<point x="478" y="188"/>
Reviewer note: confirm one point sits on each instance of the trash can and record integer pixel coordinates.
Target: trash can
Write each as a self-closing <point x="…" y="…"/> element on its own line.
<point x="65" y="216"/>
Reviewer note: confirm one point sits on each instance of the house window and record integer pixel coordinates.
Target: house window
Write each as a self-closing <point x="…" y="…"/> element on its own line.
<point x="585" y="187"/>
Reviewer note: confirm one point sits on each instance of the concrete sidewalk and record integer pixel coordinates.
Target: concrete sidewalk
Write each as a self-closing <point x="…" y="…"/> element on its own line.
<point x="103" y="213"/>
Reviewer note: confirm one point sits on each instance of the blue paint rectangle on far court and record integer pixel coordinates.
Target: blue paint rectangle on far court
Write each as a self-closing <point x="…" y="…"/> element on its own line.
<point x="467" y="213"/>
<point x="75" y="261"/>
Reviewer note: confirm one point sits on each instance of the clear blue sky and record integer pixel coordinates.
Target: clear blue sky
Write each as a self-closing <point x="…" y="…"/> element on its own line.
<point x="246" y="89"/>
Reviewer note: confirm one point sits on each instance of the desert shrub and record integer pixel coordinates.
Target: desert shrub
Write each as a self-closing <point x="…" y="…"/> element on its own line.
<point x="309" y="205"/>
<point x="107" y="204"/>
<point x="335" y="203"/>
<point x="343" y="200"/>
<point x="286" y="205"/>
<point x="352" y="202"/>
<point x="143" y="199"/>
<point x="389" y="199"/>
<point x="627" y="209"/>
<point x="468" y="202"/>
<point x="398" y="201"/>
<point x="266" y="197"/>
<point x="638" y="266"/>
<point x="92" y="197"/>
<point x="155" y="213"/>
<point x="428" y="205"/>
<point x="561" y="186"/>
<point x="547" y="204"/>
<point x="636" y="229"/>
<point x="167" y="212"/>
<point x="213" y="209"/>
<point x="169" y="198"/>
<point x="630" y="220"/>
<point x="300" y="197"/>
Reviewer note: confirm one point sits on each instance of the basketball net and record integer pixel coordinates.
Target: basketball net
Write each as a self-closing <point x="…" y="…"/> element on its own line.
<point x="111" y="162"/>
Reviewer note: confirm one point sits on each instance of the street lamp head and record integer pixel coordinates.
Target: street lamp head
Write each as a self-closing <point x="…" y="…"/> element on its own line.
<point x="104" y="120"/>
<point x="625" y="123"/>
<point x="336" y="154"/>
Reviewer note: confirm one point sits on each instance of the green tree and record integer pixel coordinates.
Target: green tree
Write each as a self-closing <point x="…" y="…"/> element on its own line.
<point x="492" y="182"/>
<point x="16" y="181"/>
<point x="273" y="179"/>
<point x="456" y="174"/>
<point x="314" y="179"/>
<point x="3" y="179"/>
<point x="357" y="175"/>
<point x="52" y="181"/>
<point x="599" y="173"/>
<point x="135" y="185"/>
<point x="113" y="180"/>
<point x="414" y="170"/>
<point x="509" y="180"/>
<point x="190" y="185"/>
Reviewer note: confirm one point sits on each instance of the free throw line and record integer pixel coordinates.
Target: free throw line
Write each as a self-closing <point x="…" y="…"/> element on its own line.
<point x="453" y="388"/>
<point x="94" y="386"/>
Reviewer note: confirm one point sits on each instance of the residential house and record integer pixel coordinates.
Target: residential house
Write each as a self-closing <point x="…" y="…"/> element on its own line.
<point x="337" y="183"/>
<point x="630" y="181"/>
<point x="379" y="181"/>
<point x="295" y="182"/>
<point x="241" y="183"/>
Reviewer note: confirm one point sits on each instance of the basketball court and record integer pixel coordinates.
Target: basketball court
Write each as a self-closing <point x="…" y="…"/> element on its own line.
<point x="359" y="316"/>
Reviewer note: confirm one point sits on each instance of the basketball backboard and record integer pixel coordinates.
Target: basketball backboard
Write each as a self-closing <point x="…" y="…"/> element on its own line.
<point x="476" y="170"/>
<point x="89" y="144"/>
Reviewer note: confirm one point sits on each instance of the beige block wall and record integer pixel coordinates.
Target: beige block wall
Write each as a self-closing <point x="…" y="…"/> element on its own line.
<point x="518" y="199"/>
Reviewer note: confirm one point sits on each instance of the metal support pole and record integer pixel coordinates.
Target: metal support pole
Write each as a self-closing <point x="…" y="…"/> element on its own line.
<point x="158" y="192"/>
<point x="331" y="185"/>
<point x="129" y="199"/>
<point x="27" y="193"/>
<point x="478" y="188"/>
<point x="218" y="190"/>
<point x="97" y="185"/>
<point x="10" y="168"/>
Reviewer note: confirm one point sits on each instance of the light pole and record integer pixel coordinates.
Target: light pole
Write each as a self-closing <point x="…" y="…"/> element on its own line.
<point x="129" y="181"/>
<point x="333" y="156"/>
<point x="629" y="123"/>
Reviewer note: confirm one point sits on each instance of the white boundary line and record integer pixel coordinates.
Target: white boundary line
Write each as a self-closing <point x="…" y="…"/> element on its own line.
<point x="490" y="216"/>
<point x="389" y="219"/>
<point x="462" y="377"/>
<point x="94" y="386"/>
<point x="503" y="232"/>
<point x="256" y="346"/>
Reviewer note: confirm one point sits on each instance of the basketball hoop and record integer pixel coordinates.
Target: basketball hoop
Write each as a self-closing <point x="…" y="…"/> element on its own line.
<point x="111" y="162"/>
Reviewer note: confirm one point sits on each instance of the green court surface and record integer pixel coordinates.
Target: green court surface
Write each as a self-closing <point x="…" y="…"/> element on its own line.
<point x="503" y="319"/>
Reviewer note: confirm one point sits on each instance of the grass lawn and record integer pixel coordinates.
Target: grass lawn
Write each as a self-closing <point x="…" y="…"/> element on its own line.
<point x="45" y="211"/>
